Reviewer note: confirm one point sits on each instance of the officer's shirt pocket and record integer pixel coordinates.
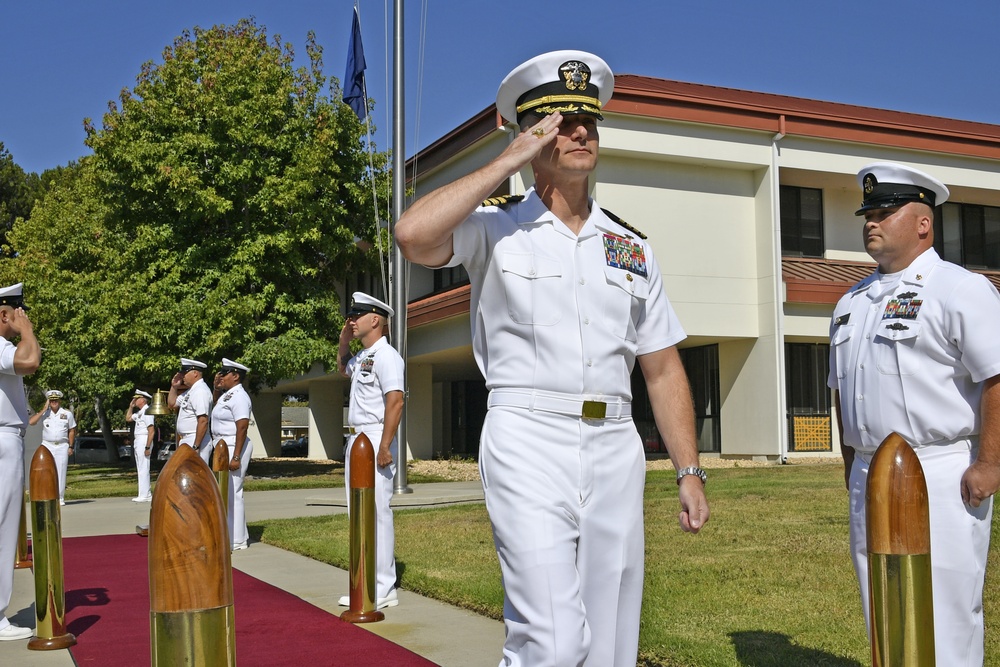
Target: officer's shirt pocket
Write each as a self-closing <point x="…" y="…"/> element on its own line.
<point x="623" y="301"/>
<point x="841" y="347"/>
<point x="897" y="341"/>
<point x="531" y="283"/>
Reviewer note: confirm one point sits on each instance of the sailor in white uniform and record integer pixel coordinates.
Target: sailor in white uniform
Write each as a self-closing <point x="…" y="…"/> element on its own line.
<point x="565" y="299"/>
<point x="58" y="434"/>
<point x="914" y="350"/>
<point x="230" y="423"/>
<point x="191" y="397"/>
<point x="15" y="362"/>
<point x="376" y="406"/>
<point x="143" y="437"/>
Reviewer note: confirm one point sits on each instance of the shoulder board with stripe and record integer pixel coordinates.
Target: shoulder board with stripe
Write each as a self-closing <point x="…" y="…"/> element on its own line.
<point x="504" y="201"/>
<point x="624" y="224"/>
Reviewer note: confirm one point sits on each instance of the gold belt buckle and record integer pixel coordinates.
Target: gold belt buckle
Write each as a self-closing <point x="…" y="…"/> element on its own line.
<point x="594" y="410"/>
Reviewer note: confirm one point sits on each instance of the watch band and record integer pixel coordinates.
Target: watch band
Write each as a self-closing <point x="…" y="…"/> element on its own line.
<point x="692" y="470"/>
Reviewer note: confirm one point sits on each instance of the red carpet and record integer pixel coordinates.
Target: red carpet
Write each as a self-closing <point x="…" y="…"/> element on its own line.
<point x="107" y="608"/>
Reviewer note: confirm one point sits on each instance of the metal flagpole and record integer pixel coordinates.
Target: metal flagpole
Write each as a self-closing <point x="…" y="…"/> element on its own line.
<point x="397" y="265"/>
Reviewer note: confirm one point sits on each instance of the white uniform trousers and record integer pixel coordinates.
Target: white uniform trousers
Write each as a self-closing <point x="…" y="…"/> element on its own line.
<point x="142" y="468"/>
<point x="11" y="494"/>
<point x="205" y="449"/>
<point x="385" y="536"/>
<point x="960" y="540"/>
<point x="60" y="452"/>
<point x="564" y="496"/>
<point x="236" y="514"/>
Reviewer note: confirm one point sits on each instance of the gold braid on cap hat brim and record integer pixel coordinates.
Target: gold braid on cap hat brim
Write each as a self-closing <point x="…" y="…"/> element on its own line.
<point x="590" y="104"/>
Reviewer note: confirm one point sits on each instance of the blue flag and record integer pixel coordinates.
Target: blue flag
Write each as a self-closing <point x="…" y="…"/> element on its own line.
<point x="354" y="77"/>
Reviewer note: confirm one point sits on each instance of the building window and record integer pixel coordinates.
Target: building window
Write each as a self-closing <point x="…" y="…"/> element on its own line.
<point x="807" y="366"/>
<point x="702" y="367"/>
<point x="449" y="277"/>
<point x="968" y="235"/>
<point x="801" y="221"/>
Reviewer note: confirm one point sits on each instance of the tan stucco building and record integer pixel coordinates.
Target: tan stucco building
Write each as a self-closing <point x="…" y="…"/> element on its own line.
<point x="748" y="200"/>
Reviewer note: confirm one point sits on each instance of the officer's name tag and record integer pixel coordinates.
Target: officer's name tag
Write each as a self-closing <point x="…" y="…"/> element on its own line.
<point x="624" y="254"/>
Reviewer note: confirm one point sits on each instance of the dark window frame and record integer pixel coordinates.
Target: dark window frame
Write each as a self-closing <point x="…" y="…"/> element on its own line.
<point x="802" y="234"/>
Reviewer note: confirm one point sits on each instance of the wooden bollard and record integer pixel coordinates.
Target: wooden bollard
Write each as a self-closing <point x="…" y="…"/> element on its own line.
<point x="190" y="573"/>
<point x="899" y="558"/>
<point x="23" y="554"/>
<point x="362" y="534"/>
<point x="220" y="468"/>
<point x="46" y="542"/>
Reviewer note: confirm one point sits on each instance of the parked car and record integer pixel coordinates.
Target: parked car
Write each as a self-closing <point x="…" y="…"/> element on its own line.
<point x="298" y="447"/>
<point x="92" y="448"/>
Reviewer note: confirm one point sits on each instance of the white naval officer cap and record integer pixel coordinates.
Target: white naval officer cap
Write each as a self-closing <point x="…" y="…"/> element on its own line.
<point x="230" y="365"/>
<point x="140" y="392"/>
<point x="192" y="365"/>
<point x="888" y="184"/>
<point x="53" y="393"/>
<point x="13" y="296"/>
<point x="570" y="82"/>
<point x="362" y="303"/>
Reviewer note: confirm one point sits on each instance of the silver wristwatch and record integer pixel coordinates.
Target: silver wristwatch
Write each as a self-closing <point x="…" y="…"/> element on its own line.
<point x="692" y="470"/>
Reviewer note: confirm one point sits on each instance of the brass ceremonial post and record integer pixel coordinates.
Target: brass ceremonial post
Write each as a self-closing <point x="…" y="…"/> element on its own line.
<point x="220" y="467"/>
<point x="23" y="556"/>
<point x="46" y="539"/>
<point x="899" y="558"/>
<point x="190" y="573"/>
<point x="362" y="534"/>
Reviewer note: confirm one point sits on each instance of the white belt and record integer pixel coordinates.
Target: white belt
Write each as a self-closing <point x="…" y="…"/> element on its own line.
<point x="354" y="430"/>
<point x="964" y="443"/>
<point x="572" y="405"/>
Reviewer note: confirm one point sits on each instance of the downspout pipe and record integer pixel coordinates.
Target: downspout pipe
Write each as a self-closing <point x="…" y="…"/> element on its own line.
<point x="779" y="296"/>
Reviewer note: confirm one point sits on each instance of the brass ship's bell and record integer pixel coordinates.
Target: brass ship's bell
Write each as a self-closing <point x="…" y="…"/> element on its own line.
<point x="159" y="404"/>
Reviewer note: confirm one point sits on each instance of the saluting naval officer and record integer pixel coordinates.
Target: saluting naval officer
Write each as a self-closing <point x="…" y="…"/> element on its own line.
<point x="565" y="298"/>
<point x="58" y="434"/>
<point x="914" y="350"/>
<point x="375" y="408"/>
<point x="15" y="361"/>
<point x="143" y="437"/>
<point x="230" y="423"/>
<point x="191" y="398"/>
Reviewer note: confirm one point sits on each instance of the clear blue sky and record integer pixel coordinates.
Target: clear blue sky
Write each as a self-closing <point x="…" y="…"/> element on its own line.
<point x="63" y="61"/>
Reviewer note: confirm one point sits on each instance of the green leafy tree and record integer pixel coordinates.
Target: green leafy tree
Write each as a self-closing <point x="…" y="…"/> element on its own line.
<point x="216" y="215"/>
<point x="18" y="191"/>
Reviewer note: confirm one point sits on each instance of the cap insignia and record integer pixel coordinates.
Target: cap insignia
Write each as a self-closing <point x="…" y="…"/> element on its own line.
<point x="576" y="74"/>
<point x="870" y="182"/>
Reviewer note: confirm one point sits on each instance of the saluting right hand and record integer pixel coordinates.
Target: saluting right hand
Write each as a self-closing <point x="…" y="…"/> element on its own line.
<point x="531" y="141"/>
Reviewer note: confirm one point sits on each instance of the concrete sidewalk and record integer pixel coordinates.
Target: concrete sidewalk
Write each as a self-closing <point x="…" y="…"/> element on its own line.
<point x="446" y="635"/>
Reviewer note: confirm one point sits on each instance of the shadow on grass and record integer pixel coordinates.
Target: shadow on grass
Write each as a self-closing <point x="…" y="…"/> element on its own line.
<point x="772" y="649"/>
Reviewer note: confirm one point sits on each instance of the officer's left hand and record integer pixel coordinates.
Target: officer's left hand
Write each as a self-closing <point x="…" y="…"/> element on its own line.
<point x="694" y="504"/>
<point x="979" y="482"/>
<point x="384" y="457"/>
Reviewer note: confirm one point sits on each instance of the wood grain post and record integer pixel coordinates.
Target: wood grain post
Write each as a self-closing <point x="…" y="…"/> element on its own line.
<point x="899" y="558"/>
<point x="190" y="574"/>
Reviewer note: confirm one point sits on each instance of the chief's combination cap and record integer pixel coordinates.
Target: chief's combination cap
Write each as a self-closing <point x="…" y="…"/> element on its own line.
<point x="362" y="303"/>
<point x="13" y="296"/>
<point x="140" y="392"/>
<point x="192" y="365"/>
<point x="570" y="82"/>
<point x="887" y="184"/>
<point x="230" y="365"/>
<point x="53" y="393"/>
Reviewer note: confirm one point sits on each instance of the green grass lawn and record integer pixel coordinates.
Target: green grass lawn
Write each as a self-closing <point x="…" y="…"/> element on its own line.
<point x="119" y="481"/>
<point x="767" y="584"/>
